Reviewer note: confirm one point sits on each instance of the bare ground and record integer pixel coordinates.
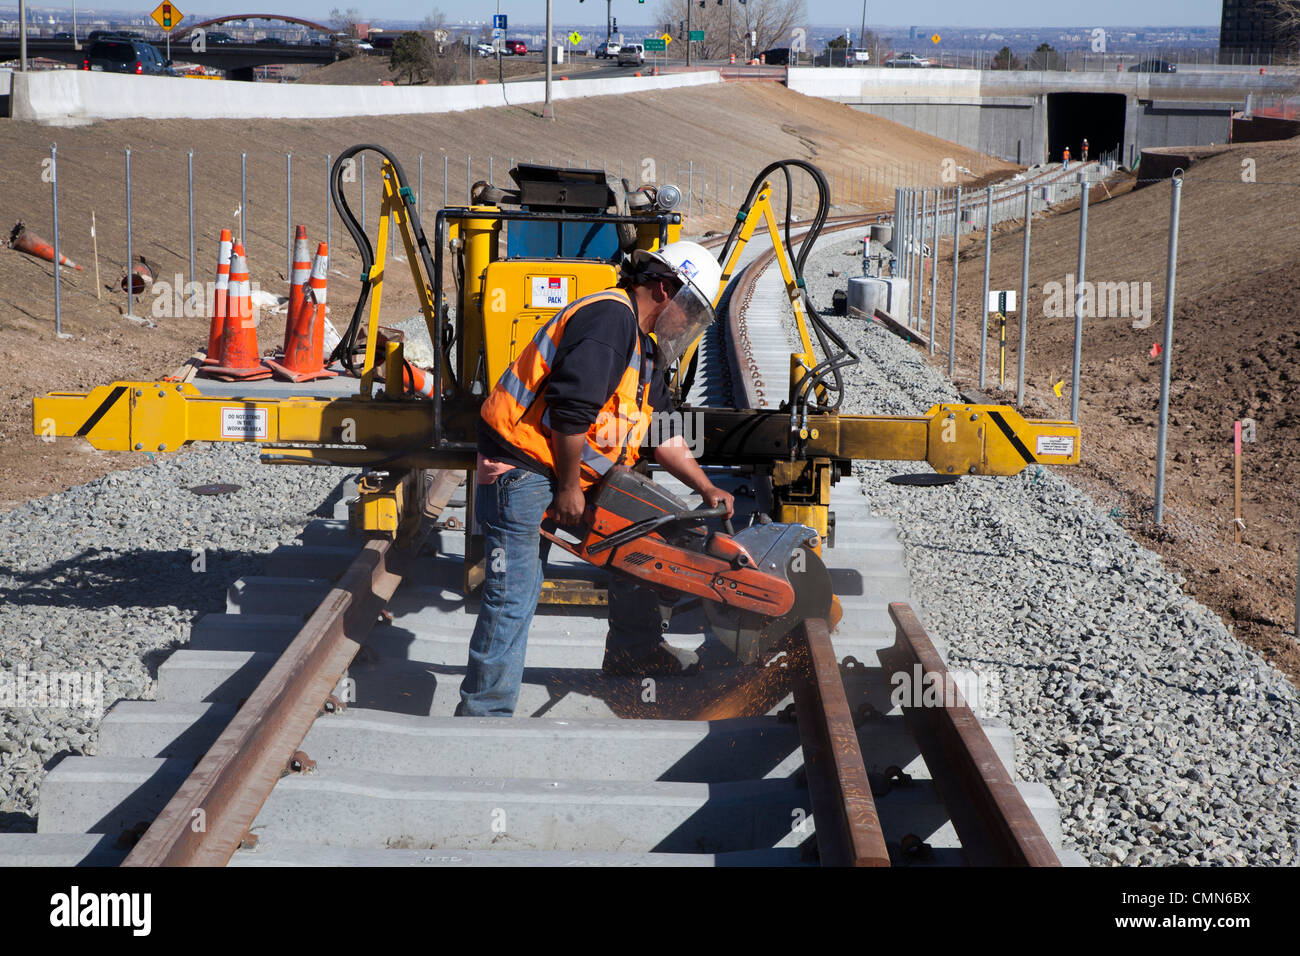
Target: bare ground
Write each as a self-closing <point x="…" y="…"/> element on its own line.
<point x="1236" y="338"/>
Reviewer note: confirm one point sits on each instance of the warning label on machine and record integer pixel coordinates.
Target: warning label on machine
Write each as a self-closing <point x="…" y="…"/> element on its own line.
<point x="549" y="292"/>
<point x="1055" y="445"/>
<point x="244" y="423"/>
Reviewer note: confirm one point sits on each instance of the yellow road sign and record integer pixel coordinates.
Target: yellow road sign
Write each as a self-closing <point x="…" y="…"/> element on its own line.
<point x="666" y="38"/>
<point x="167" y="15"/>
<point x="936" y="38"/>
<point x="575" y="37"/>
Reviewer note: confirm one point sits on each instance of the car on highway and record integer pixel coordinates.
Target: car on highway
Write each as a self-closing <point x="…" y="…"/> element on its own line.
<point x="516" y="47"/>
<point x="1153" y="66"/>
<point x="485" y="49"/>
<point x="906" y="61"/>
<point x="269" y="41"/>
<point x="61" y="35"/>
<point x="842" y="56"/>
<point x="777" y="56"/>
<point x="217" y="38"/>
<point x="631" y="54"/>
<point x="606" y="51"/>
<point x="120" y="55"/>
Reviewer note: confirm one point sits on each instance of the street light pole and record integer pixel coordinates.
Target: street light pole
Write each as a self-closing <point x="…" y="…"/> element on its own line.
<point x="609" y="27"/>
<point x="688" y="32"/>
<point x="548" y="110"/>
<point x="22" y="43"/>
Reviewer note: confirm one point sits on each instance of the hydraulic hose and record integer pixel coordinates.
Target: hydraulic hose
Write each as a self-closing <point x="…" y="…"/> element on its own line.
<point x="347" y="345"/>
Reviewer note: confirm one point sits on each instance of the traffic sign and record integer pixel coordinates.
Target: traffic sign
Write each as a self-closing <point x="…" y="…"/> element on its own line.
<point x="575" y="37"/>
<point x="167" y="15"/>
<point x="654" y="45"/>
<point x="936" y="38"/>
<point x="697" y="36"/>
<point x="667" y="38"/>
<point x="498" y="21"/>
<point x="1002" y="302"/>
<point x="498" y="33"/>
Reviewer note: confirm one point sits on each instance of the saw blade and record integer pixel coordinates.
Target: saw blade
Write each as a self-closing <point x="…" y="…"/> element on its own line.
<point x="782" y="550"/>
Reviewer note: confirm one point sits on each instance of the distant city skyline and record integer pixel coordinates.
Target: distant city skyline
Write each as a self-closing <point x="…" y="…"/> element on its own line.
<point x="994" y="14"/>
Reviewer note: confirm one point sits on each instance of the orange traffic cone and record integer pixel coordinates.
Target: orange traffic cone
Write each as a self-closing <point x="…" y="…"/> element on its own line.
<point x="304" y="345"/>
<point x="219" y="299"/>
<point x="297" y="281"/>
<point x="239" y="358"/>
<point x="34" y="245"/>
<point x="418" y="380"/>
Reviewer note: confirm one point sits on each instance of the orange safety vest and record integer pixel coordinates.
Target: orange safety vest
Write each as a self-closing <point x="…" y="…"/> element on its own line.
<point x="516" y="409"/>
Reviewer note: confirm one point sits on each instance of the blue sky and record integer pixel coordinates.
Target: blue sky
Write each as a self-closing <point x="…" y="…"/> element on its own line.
<point x="957" y="13"/>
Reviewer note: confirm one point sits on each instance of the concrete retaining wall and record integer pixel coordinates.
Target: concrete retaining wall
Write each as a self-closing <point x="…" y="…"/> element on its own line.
<point x="74" y="97"/>
<point x="1005" y="114"/>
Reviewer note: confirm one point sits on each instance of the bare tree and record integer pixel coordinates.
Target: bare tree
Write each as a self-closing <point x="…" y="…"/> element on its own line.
<point x="771" y="20"/>
<point x="345" y="21"/>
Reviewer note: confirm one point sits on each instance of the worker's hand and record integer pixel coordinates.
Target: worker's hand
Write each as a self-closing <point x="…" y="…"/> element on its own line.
<point x="569" y="505"/>
<point x="713" y="495"/>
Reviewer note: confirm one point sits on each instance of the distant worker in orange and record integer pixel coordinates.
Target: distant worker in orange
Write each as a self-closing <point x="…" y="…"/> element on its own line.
<point x="1084" y="153"/>
<point x="1065" y="158"/>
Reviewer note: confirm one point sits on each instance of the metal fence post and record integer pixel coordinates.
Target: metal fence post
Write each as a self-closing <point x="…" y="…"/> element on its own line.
<point x="920" y="285"/>
<point x="130" y="285"/>
<point x="934" y="262"/>
<point x="54" y="189"/>
<point x="243" y="197"/>
<point x="1078" y="303"/>
<point x="191" y="191"/>
<point x="952" y="315"/>
<point x="329" y="202"/>
<point x="1022" y="347"/>
<point x="984" y="302"/>
<point x="288" y="212"/>
<point x="1166" y="357"/>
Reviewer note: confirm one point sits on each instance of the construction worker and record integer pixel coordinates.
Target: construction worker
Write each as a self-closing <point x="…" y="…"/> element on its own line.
<point x="1065" y="159"/>
<point x="577" y="401"/>
<point x="1083" y="153"/>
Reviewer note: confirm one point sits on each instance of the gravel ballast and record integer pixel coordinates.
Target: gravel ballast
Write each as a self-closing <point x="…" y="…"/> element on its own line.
<point x="1163" y="738"/>
<point x="98" y="584"/>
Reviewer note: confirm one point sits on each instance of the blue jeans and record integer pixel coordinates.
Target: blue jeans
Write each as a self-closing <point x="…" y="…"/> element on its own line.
<point x="511" y="510"/>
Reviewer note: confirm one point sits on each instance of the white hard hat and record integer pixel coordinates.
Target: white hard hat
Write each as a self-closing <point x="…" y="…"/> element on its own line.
<point x="689" y="313"/>
<point x="689" y="262"/>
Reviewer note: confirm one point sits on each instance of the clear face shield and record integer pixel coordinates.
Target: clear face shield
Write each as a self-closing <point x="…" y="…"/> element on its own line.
<point x="682" y="321"/>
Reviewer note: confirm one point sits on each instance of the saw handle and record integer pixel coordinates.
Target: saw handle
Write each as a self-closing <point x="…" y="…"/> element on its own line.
<point x="648" y="525"/>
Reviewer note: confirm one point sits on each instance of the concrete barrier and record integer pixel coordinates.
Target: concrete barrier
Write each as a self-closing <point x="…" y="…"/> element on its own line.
<point x="75" y="97"/>
<point x="861" y="84"/>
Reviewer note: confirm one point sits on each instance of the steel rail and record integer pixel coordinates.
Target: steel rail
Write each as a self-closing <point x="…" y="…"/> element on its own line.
<point x="991" y="818"/>
<point x="844" y="812"/>
<point x="209" y="817"/>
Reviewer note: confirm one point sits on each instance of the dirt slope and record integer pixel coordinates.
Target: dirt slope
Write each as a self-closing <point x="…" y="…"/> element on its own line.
<point x="728" y="132"/>
<point x="1236" y="339"/>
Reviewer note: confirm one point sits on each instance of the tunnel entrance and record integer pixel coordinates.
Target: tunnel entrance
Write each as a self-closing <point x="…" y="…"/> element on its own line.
<point x="1074" y="117"/>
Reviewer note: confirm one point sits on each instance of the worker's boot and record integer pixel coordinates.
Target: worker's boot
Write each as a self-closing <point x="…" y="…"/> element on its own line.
<point x="635" y="646"/>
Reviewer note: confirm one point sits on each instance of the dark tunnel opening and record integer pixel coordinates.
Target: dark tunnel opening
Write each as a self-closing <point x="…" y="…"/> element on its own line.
<point x="1074" y="117"/>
